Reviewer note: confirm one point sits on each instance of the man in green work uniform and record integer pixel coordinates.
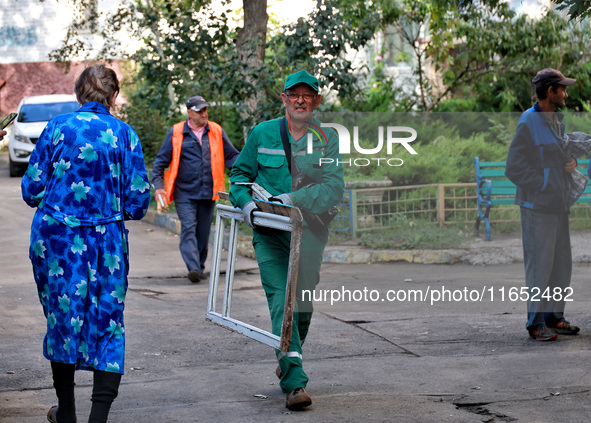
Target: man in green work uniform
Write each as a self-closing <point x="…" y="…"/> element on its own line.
<point x="264" y="161"/>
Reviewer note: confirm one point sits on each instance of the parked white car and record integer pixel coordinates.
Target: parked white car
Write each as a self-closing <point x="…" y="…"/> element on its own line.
<point x="33" y="114"/>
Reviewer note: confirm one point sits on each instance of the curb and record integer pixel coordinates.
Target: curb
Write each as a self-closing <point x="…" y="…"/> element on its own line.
<point x="164" y="220"/>
<point x="478" y="253"/>
<point x="332" y="254"/>
<point x="359" y="255"/>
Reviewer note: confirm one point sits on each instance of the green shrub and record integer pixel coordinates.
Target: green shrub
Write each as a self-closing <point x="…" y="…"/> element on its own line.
<point x="445" y="160"/>
<point x="150" y="125"/>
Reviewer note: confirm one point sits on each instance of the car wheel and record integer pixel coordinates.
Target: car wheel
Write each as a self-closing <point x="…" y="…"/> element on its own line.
<point x="14" y="168"/>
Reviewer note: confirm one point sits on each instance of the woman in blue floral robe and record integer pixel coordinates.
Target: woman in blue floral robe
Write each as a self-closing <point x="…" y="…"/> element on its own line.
<point x="86" y="176"/>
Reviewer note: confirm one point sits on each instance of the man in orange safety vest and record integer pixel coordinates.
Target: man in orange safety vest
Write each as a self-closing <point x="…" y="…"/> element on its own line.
<point x="195" y="152"/>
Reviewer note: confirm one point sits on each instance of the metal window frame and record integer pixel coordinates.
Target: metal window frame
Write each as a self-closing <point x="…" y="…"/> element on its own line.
<point x="274" y="216"/>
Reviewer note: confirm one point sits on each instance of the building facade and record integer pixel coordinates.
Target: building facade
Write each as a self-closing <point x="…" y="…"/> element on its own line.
<point x="29" y="31"/>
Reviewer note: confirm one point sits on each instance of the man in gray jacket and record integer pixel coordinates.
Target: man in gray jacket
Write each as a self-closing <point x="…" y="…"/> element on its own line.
<point x="540" y="166"/>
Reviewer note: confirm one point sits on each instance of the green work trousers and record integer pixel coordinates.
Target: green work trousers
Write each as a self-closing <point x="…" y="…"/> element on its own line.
<point x="272" y="252"/>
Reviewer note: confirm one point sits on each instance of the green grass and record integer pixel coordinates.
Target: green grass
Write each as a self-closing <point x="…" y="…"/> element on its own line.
<point x="504" y="227"/>
<point x="580" y="224"/>
<point x="335" y="238"/>
<point x="416" y="235"/>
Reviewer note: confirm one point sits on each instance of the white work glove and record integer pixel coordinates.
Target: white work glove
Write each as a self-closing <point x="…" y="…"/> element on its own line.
<point x="283" y="199"/>
<point x="247" y="213"/>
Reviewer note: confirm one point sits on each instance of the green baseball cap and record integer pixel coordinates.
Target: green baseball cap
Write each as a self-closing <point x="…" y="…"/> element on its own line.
<point x="301" y="77"/>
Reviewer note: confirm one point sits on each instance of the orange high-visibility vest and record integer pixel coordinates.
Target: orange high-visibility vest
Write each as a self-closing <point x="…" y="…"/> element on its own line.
<point x="216" y="149"/>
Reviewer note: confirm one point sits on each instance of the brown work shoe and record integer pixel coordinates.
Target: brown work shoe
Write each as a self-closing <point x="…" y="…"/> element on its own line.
<point x="565" y="328"/>
<point x="195" y="276"/>
<point x="542" y="333"/>
<point x="298" y="399"/>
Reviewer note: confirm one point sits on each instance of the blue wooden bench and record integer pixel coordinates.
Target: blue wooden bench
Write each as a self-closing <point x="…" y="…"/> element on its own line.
<point x="493" y="188"/>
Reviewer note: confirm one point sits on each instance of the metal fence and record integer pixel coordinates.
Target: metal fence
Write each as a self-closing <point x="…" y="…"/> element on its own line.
<point x="376" y="209"/>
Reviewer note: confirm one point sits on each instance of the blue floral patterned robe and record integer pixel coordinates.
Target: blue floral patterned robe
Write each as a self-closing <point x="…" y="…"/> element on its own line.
<point x="86" y="176"/>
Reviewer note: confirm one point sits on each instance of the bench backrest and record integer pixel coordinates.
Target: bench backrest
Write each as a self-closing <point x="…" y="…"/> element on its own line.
<point x="501" y="186"/>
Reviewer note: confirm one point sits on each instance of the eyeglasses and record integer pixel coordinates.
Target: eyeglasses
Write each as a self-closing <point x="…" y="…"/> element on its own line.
<point x="305" y="97"/>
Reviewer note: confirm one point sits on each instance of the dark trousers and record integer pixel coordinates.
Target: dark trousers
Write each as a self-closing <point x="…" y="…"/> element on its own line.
<point x="195" y="217"/>
<point x="548" y="265"/>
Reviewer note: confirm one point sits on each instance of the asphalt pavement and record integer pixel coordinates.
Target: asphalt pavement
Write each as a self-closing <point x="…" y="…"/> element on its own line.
<point x="401" y="342"/>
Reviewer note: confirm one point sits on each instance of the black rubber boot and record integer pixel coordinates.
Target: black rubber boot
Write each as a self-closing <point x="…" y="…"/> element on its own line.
<point x="104" y="391"/>
<point x="63" y="382"/>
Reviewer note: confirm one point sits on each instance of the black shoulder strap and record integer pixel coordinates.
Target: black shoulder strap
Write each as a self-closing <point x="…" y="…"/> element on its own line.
<point x="285" y="140"/>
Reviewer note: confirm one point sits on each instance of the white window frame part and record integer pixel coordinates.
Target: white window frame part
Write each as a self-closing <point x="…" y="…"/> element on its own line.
<point x="273" y="215"/>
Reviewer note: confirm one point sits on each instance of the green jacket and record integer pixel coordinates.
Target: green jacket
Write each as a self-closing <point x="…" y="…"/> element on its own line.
<point x="262" y="160"/>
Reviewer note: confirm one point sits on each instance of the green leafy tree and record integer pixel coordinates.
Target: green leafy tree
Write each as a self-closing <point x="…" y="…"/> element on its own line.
<point x="577" y="9"/>
<point x="320" y="42"/>
<point x="480" y="55"/>
<point x="499" y="54"/>
<point x="190" y="48"/>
